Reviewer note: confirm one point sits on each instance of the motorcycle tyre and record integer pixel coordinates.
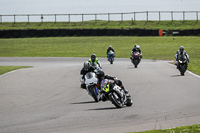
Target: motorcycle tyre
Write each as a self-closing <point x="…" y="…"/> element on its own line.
<point x="114" y="101"/>
<point x="95" y="95"/>
<point x="111" y="61"/>
<point x="182" y="70"/>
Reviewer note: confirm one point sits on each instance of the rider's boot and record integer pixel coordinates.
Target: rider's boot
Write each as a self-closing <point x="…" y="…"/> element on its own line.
<point x="83" y="86"/>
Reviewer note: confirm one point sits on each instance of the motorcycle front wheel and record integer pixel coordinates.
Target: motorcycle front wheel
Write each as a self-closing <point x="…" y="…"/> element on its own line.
<point x="95" y="94"/>
<point x="115" y="99"/>
<point x="182" y="70"/>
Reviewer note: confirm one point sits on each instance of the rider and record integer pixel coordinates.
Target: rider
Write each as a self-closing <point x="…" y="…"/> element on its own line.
<point x="179" y="52"/>
<point x="86" y="68"/>
<point x="136" y="48"/>
<point x="105" y="83"/>
<point x="93" y="60"/>
<point x="110" y="49"/>
<point x="101" y="76"/>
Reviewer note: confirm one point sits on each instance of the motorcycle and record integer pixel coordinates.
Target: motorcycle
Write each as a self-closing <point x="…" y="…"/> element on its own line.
<point x="182" y="64"/>
<point x="91" y="85"/>
<point x="111" y="57"/>
<point x="136" y="57"/>
<point x="117" y="96"/>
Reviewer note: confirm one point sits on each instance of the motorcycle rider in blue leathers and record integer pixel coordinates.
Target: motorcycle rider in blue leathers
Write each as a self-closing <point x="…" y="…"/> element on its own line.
<point x="109" y="49"/>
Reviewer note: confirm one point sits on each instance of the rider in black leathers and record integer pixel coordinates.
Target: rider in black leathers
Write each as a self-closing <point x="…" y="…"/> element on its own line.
<point x="179" y="52"/>
<point x="86" y="68"/>
<point x="136" y="48"/>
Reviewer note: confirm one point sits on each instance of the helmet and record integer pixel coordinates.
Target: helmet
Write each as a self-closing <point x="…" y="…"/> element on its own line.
<point x="135" y="45"/>
<point x="104" y="84"/>
<point x="93" y="57"/>
<point x="110" y="46"/>
<point x="86" y="65"/>
<point x="138" y="46"/>
<point x="181" y="48"/>
<point x="100" y="75"/>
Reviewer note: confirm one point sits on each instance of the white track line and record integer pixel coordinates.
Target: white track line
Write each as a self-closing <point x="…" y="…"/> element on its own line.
<point x="5" y="74"/>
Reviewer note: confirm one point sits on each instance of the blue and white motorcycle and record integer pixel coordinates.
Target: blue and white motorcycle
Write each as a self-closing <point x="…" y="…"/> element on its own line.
<point x="91" y="81"/>
<point x="111" y="56"/>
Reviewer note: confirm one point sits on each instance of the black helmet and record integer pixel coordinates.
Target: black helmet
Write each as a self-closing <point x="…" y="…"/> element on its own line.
<point x="86" y="65"/>
<point x="181" y="48"/>
<point x="100" y="75"/>
<point x="93" y="57"/>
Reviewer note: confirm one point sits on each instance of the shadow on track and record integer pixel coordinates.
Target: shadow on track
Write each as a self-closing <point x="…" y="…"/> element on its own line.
<point x="108" y="108"/>
<point x="176" y="76"/>
<point x="84" y="102"/>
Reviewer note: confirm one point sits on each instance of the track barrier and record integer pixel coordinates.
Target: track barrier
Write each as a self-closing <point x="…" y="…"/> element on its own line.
<point x="95" y="32"/>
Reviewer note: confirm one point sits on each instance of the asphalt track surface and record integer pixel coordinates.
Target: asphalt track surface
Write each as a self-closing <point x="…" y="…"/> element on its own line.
<point x="48" y="99"/>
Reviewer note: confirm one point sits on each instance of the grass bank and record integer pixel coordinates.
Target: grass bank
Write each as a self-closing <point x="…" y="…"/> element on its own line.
<point x="184" y="129"/>
<point x="166" y="25"/>
<point x="152" y="47"/>
<point x="5" y="69"/>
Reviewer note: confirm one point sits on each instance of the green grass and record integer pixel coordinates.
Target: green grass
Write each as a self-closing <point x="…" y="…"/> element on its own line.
<point x="152" y="47"/>
<point x="5" y="69"/>
<point x="166" y="25"/>
<point x="184" y="129"/>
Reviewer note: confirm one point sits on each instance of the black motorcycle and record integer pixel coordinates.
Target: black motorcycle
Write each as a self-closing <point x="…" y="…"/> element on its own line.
<point x="182" y="65"/>
<point x="117" y="96"/>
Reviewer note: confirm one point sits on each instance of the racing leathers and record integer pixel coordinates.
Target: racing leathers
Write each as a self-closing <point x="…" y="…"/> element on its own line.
<point x="135" y="49"/>
<point x="178" y="53"/>
<point x="110" y="49"/>
<point x="111" y="86"/>
<point x="95" y="62"/>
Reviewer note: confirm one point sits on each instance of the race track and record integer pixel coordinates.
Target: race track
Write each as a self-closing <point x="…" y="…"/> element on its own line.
<point x="48" y="99"/>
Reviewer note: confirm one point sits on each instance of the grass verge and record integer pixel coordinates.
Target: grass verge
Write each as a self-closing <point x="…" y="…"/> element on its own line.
<point x="5" y="69"/>
<point x="152" y="47"/>
<point x="184" y="129"/>
<point x="166" y="25"/>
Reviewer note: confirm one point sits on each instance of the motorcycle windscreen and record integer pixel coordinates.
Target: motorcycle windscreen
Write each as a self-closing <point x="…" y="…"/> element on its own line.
<point x="182" y="57"/>
<point x="89" y="75"/>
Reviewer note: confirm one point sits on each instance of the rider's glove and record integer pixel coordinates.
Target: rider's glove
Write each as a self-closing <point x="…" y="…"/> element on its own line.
<point x="95" y="71"/>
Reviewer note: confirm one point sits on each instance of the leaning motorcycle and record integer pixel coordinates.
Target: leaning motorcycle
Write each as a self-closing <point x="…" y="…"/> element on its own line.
<point x="91" y="85"/>
<point x="111" y="56"/>
<point x="117" y="96"/>
<point x="136" y="57"/>
<point x="182" y="64"/>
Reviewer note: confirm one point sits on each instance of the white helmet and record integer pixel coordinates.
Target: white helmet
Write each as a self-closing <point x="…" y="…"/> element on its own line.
<point x="86" y="66"/>
<point x="138" y="46"/>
